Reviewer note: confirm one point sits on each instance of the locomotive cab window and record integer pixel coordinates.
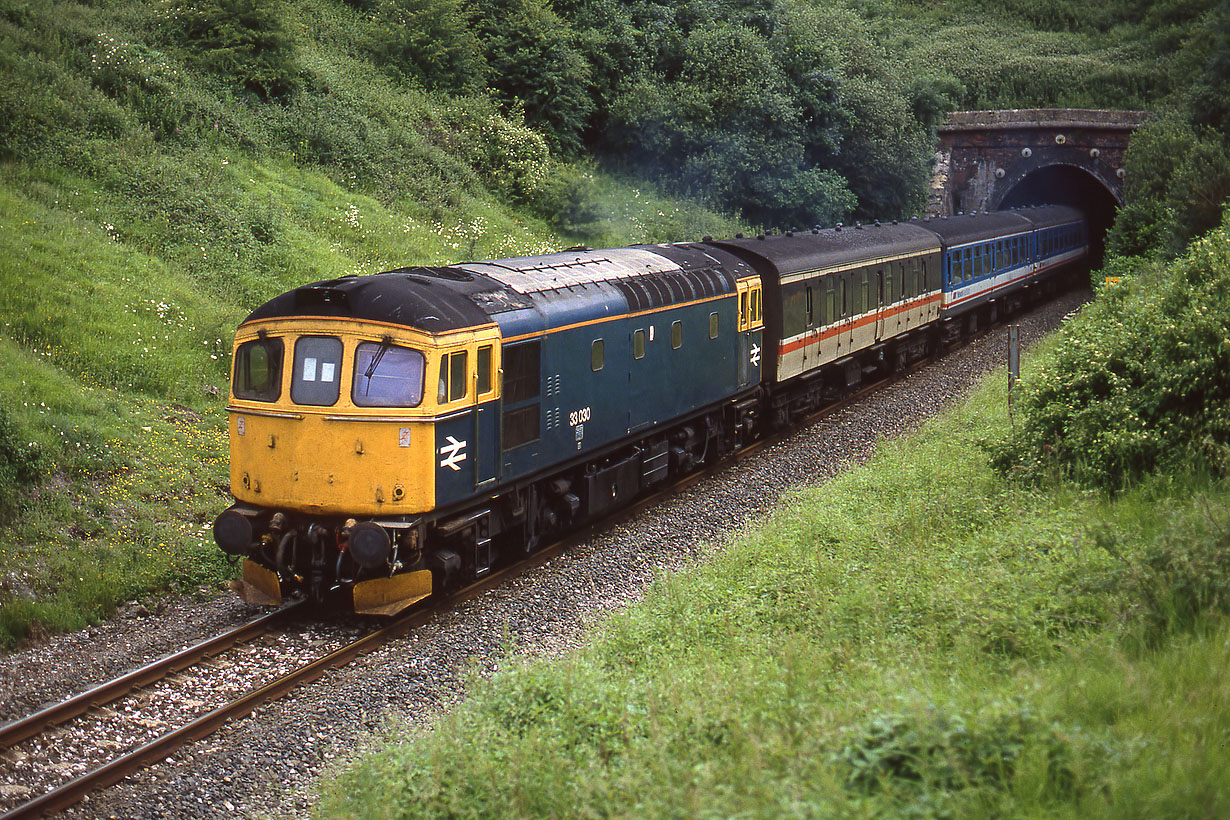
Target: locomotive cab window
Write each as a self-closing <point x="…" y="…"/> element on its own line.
<point x="452" y="377"/>
<point x="386" y="375"/>
<point x="757" y="306"/>
<point x="314" y="379"/>
<point x="258" y="370"/>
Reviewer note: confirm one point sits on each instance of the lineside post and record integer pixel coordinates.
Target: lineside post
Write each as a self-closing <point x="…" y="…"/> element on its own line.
<point x="1014" y="364"/>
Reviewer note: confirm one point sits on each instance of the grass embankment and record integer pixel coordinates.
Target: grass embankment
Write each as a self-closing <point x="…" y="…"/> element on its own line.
<point x="918" y="637"/>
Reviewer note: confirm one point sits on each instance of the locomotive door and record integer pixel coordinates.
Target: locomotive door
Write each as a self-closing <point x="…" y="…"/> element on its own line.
<point x="751" y="325"/>
<point x="486" y="416"/>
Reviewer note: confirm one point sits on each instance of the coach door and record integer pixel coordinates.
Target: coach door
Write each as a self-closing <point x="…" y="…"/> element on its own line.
<point x="879" y="299"/>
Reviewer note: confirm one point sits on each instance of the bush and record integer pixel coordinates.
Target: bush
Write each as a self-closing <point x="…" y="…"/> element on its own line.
<point x="1138" y="382"/>
<point x="1178" y="183"/>
<point x="429" y="41"/>
<point x="243" y="39"/>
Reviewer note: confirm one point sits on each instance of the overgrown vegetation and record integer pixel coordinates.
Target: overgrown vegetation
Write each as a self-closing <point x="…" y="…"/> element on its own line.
<point x="1139" y="381"/>
<point x="917" y="638"/>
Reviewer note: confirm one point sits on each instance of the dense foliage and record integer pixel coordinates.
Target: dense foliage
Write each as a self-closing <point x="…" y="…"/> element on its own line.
<point x="786" y="111"/>
<point x="1138" y="382"/>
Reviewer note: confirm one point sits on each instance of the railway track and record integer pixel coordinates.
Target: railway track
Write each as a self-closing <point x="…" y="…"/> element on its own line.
<point x="164" y="745"/>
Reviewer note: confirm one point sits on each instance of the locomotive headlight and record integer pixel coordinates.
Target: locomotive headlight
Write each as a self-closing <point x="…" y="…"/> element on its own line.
<point x="370" y="544"/>
<point x="233" y="532"/>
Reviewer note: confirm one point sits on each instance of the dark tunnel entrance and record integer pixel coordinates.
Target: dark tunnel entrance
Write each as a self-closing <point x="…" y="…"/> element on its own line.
<point x="1068" y="185"/>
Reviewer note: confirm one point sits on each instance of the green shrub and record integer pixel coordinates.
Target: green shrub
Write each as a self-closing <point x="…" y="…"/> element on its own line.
<point x="431" y="42"/>
<point x="246" y="40"/>
<point x="1138" y="382"/>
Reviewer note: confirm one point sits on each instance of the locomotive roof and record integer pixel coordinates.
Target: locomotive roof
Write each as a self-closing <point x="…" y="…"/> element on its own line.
<point x="833" y="247"/>
<point x="525" y="293"/>
<point x="566" y="269"/>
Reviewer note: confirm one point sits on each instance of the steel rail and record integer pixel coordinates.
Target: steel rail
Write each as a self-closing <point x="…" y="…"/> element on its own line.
<point x="111" y="773"/>
<point x="16" y="731"/>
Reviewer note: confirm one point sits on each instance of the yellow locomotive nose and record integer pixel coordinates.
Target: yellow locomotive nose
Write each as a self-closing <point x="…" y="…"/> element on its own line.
<point x="333" y="453"/>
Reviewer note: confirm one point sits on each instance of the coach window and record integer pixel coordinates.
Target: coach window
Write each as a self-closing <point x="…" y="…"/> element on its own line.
<point x="713" y="325"/>
<point x="859" y="295"/>
<point x="597" y="355"/>
<point x="845" y="303"/>
<point x="638" y="344"/>
<point x="828" y="309"/>
<point x="676" y="335"/>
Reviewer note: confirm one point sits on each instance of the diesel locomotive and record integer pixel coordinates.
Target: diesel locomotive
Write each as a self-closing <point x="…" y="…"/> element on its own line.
<point x="398" y="434"/>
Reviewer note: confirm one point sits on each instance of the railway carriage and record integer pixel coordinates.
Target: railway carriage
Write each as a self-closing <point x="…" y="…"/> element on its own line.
<point x="991" y="260"/>
<point x="399" y="434"/>
<point x="839" y="301"/>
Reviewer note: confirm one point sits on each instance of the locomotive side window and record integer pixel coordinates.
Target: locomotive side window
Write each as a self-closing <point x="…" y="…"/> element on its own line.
<point x="676" y="335"/>
<point x="315" y="377"/>
<point x="386" y="375"/>
<point x="638" y="344"/>
<point x="713" y="322"/>
<point x="521" y="372"/>
<point x="453" y="374"/>
<point x="258" y="370"/>
<point x="597" y="355"/>
<point x="485" y="383"/>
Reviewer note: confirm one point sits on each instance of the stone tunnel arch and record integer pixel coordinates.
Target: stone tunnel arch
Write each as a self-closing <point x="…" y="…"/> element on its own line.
<point x="989" y="160"/>
<point x="1063" y="184"/>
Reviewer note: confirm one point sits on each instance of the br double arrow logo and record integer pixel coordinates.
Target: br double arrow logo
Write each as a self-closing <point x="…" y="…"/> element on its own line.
<point x="454" y="453"/>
